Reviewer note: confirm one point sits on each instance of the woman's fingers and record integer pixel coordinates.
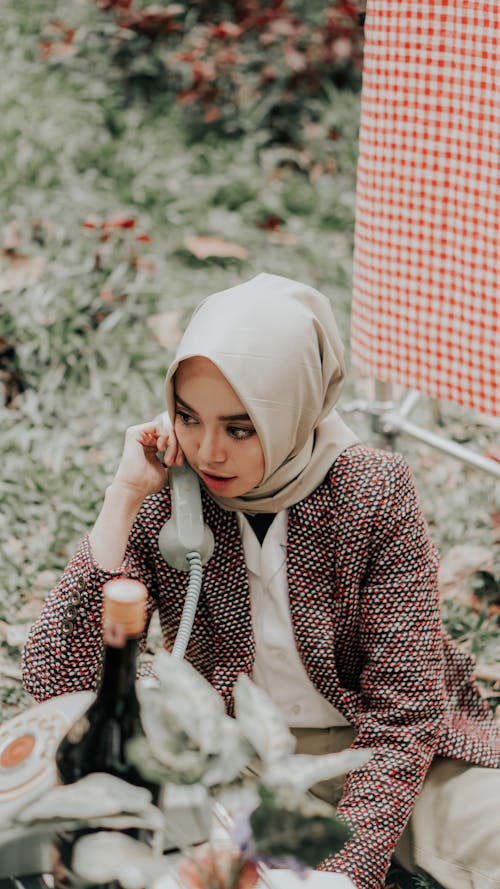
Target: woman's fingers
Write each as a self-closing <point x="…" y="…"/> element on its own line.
<point x="179" y="460"/>
<point x="171" y="451"/>
<point x="167" y="441"/>
<point x="158" y="434"/>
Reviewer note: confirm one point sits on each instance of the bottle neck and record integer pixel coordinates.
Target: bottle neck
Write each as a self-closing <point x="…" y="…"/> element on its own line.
<point x="118" y="674"/>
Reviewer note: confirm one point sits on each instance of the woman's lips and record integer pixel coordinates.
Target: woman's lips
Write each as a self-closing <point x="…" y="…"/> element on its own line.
<point x="216" y="481"/>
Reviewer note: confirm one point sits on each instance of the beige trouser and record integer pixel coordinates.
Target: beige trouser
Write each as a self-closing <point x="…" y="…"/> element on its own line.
<point x="454" y="831"/>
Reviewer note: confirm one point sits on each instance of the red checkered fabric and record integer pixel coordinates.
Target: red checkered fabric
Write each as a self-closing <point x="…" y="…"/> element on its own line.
<point x="426" y="304"/>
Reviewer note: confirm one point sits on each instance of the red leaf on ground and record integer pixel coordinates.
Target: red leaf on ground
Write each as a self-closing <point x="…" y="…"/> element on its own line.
<point x="225" y="29"/>
<point x="270" y="223"/>
<point x="92" y="222"/>
<point x="50" y="48"/>
<point x="212" y="114"/>
<point x="114" y="4"/>
<point x="153" y="20"/>
<point x="119" y="220"/>
<point x="493" y="453"/>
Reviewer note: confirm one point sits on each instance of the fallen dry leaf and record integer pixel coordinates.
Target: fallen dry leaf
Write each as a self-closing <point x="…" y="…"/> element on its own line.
<point x="488" y="672"/>
<point x="166" y="328"/>
<point x="60" y="42"/>
<point x="14" y="546"/>
<point x="12" y="237"/>
<point x="488" y="693"/>
<point x="21" y="271"/>
<point x="94" y="457"/>
<point x="270" y="223"/>
<point x="495" y="534"/>
<point x="44" y="581"/>
<point x="32" y="608"/>
<point x="493" y="452"/>
<point x="119" y="220"/>
<point x="477" y="603"/>
<point x="203" y="247"/>
<point x="52" y="49"/>
<point x="461" y="562"/>
<point x="287" y="239"/>
<point x="148" y="264"/>
<point x="14" y="635"/>
<point x="57" y="26"/>
<point x="92" y="222"/>
<point x="107" y="296"/>
<point x="9" y="669"/>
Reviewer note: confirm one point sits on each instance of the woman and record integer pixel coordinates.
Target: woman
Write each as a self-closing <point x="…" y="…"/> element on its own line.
<point x="322" y="585"/>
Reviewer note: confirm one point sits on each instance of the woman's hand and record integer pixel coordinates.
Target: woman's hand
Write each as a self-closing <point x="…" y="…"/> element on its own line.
<point x="140" y="470"/>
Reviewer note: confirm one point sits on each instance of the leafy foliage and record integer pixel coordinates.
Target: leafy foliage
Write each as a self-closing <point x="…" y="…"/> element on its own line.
<point x="240" y="65"/>
<point x="306" y="832"/>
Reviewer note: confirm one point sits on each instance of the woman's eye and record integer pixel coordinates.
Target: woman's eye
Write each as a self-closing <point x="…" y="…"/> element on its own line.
<point x="186" y="419"/>
<point x="240" y="433"/>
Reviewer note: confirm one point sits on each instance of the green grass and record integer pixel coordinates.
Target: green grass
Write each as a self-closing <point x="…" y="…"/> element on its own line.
<point x="76" y="144"/>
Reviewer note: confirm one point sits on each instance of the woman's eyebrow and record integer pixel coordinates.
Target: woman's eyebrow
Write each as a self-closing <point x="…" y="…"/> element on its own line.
<point x="231" y="417"/>
<point x="235" y="417"/>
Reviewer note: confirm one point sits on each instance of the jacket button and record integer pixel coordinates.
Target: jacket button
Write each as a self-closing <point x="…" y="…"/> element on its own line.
<point x="70" y="611"/>
<point x="81" y="583"/>
<point x="75" y="597"/>
<point x="67" y="627"/>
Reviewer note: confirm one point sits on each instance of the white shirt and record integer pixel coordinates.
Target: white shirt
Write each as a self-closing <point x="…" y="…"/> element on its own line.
<point x="278" y="668"/>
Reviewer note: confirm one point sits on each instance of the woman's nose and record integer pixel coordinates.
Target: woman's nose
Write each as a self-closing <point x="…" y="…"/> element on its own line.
<point x="210" y="449"/>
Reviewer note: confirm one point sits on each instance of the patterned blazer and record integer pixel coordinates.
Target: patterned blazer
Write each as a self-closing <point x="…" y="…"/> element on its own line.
<point x="363" y="599"/>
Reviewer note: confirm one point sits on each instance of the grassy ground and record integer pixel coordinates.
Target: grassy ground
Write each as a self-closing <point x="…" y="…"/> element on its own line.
<point x="80" y="315"/>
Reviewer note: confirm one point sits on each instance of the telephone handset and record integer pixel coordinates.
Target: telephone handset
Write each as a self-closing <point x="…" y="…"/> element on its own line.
<point x="186" y="543"/>
<point x="185" y="532"/>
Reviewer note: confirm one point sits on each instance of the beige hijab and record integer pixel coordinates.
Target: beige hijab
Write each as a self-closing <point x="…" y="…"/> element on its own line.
<point x="277" y="344"/>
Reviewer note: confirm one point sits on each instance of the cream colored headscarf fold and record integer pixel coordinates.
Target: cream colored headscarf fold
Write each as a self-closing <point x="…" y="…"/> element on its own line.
<point x="277" y="344"/>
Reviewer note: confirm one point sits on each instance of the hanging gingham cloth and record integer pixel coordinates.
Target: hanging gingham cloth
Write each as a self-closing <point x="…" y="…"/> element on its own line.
<point x="426" y="301"/>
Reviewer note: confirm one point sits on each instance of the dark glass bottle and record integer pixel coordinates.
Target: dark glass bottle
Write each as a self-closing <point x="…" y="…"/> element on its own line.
<point x="97" y="741"/>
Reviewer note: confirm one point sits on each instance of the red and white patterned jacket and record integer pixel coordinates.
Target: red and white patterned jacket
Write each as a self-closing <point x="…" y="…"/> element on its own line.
<point x="363" y="599"/>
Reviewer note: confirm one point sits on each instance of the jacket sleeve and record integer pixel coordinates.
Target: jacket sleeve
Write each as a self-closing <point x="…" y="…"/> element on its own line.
<point x="63" y="652"/>
<point x="402" y="688"/>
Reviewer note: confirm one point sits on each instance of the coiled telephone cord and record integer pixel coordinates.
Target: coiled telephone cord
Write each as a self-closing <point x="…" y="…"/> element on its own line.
<point x="189" y="610"/>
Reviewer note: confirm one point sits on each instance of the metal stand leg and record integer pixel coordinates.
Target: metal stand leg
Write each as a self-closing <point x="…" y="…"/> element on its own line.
<point x="390" y="419"/>
<point x="383" y="402"/>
